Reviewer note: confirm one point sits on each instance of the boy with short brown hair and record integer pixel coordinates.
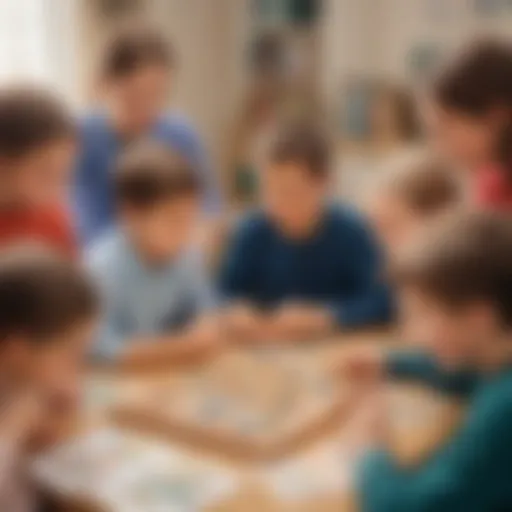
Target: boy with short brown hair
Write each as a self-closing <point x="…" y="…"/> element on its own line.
<point x="155" y="285"/>
<point x="47" y="317"/>
<point x="37" y="139"/>
<point x="455" y="289"/>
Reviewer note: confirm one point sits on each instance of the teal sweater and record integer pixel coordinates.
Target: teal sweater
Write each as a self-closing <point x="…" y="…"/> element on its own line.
<point x="472" y="473"/>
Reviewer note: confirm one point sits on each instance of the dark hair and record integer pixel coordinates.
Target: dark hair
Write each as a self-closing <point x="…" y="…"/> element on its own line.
<point x="41" y="294"/>
<point x="135" y="46"/>
<point x="30" y="118"/>
<point x="427" y="187"/>
<point x="149" y="172"/>
<point x="304" y="144"/>
<point x="466" y="257"/>
<point x="479" y="80"/>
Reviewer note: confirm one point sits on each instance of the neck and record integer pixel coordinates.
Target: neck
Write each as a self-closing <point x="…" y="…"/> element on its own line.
<point x="306" y="230"/>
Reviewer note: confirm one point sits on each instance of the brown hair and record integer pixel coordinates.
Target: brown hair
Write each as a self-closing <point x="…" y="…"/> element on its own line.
<point x="41" y="294"/>
<point x="466" y="257"/>
<point x="427" y="187"/>
<point x="134" y="46"/>
<point x="478" y="81"/>
<point x="30" y="118"/>
<point x="302" y="144"/>
<point x="149" y="172"/>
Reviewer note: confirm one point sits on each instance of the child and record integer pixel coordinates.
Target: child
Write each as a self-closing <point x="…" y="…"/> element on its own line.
<point x="301" y="267"/>
<point x="412" y="197"/>
<point x="47" y="313"/>
<point x="153" y="280"/>
<point x="136" y="72"/>
<point x="455" y="290"/>
<point x="473" y="122"/>
<point x="36" y="151"/>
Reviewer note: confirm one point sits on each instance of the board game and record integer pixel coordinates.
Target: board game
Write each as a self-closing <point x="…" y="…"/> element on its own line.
<point x="254" y="404"/>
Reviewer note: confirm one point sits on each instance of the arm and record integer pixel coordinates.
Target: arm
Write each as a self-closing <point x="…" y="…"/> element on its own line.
<point x="422" y="367"/>
<point x="199" y="159"/>
<point x="471" y="474"/>
<point x="371" y="301"/>
<point x="239" y="272"/>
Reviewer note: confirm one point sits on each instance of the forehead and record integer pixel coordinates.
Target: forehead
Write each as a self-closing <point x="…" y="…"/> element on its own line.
<point x="291" y="173"/>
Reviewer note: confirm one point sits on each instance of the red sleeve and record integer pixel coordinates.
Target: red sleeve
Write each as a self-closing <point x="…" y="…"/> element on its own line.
<point x="62" y="233"/>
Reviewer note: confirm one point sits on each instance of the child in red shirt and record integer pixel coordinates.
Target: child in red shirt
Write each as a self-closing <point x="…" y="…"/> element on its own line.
<point x="473" y="119"/>
<point x="36" y="152"/>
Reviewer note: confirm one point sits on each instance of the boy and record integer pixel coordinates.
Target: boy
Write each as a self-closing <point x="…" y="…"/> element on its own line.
<point x="136" y="71"/>
<point x="153" y="280"/>
<point x="455" y="290"/>
<point x="36" y="152"/>
<point x="410" y="198"/>
<point x="47" y="314"/>
<point x="301" y="267"/>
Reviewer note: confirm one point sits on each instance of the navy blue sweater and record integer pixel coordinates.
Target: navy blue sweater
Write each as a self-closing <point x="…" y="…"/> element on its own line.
<point x="338" y="268"/>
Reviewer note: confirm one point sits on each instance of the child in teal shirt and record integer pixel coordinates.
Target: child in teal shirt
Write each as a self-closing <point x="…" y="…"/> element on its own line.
<point x="456" y="296"/>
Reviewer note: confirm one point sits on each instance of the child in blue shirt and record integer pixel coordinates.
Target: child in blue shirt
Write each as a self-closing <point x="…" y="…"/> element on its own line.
<point x="154" y="282"/>
<point x="455" y="291"/>
<point x="136" y="72"/>
<point x="300" y="266"/>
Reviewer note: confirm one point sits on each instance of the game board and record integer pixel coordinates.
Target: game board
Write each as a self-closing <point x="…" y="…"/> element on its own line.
<point x="252" y="404"/>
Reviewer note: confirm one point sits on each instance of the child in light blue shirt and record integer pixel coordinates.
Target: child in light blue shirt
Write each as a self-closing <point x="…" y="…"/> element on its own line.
<point x="154" y="282"/>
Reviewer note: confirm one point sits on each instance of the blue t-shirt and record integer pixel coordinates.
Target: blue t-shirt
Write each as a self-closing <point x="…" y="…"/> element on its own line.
<point x="339" y="268"/>
<point x="143" y="301"/>
<point x="94" y="201"/>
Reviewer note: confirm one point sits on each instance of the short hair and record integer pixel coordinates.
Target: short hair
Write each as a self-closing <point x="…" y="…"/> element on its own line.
<point x="150" y="172"/>
<point x="427" y="186"/>
<point x="465" y="257"/>
<point x="42" y="294"/>
<point x="30" y="118"/>
<point x="134" y="46"/>
<point x="304" y="144"/>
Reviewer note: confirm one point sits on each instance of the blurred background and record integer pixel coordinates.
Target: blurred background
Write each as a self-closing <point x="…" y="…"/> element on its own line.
<point x="352" y="63"/>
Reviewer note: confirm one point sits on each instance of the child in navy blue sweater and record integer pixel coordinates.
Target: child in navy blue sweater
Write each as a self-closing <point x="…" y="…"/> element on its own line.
<point x="300" y="266"/>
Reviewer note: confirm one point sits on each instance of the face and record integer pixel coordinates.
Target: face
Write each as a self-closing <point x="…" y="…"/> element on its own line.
<point x="42" y="177"/>
<point x="394" y="222"/>
<point x="456" y="336"/>
<point x="138" y="98"/>
<point x="164" y="230"/>
<point x="54" y="368"/>
<point x="468" y="141"/>
<point x="292" y="197"/>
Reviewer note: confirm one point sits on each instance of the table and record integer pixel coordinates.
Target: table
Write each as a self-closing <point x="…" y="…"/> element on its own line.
<point x="251" y="497"/>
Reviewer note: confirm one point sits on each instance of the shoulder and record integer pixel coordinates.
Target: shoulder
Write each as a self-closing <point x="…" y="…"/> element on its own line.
<point x="494" y="403"/>
<point x="104" y="257"/>
<point x="253" y="225"/>
<point x="173" y="124"/>
<point x="347" y="223"/>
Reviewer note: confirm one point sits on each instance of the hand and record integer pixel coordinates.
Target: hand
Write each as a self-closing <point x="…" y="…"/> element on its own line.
<point x="300" y="321"/>
<point x="370" y="424"/>
<point x="205" y="333"/>
<point x="362" y="366"/>
<point x="244" y="322"/>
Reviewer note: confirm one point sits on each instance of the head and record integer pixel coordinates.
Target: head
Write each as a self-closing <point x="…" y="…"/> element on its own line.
<point x="471" y="115"/>
<point x="37" y="143"/>
<point x="158" y="200"/>
<point x="135" y="75"/>
<point x="295" y="178"/>
<point x="455" y="287"/>
<point x="411" y="198"/>
<point x="47" y="316"/>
